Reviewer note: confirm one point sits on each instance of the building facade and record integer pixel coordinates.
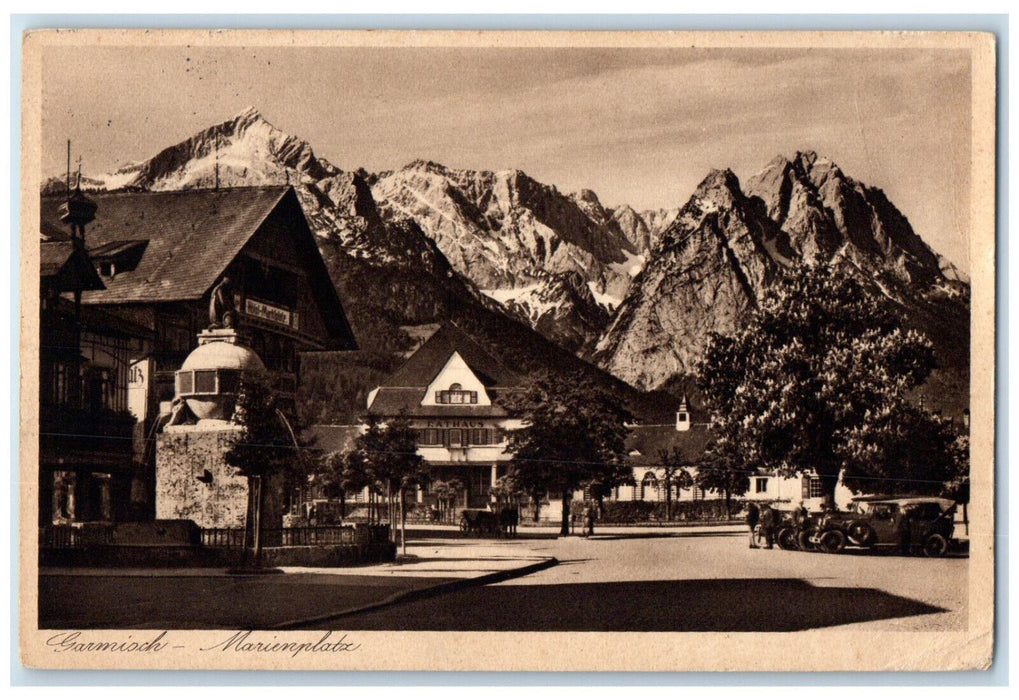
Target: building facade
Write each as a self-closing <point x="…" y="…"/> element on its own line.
<point x="688" y="435"/>
<point x="88" y="469"/>
<point x="452" y="391"/>
<point x="163" y="258"/>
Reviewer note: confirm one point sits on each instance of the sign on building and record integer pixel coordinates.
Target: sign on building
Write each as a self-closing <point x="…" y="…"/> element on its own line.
<point x="138" y="375"/>
<point x="267" y="312"/>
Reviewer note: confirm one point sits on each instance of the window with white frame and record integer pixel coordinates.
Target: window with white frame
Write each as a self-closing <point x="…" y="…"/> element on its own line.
<point x="456" y="394"/>
<point x="814" y="487"/>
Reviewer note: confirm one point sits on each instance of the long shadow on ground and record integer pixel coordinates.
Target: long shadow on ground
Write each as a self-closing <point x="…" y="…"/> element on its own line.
<point x="183" y="602"/>
<point x="718" y="605"/>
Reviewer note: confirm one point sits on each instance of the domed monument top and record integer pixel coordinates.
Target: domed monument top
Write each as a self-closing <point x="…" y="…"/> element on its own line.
<point x="210" y="378"/>
<point x="223" y="354"/>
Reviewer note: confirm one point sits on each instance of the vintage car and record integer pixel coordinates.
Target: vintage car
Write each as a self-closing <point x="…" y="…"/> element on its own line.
<point x="794" y="528"/>
<point x="907" y="523"/>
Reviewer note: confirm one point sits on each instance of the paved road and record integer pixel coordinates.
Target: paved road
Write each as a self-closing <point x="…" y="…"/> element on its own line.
<point x="697" y="583"/>
<point x="683" y="580"/>
<point x="212" y="598"/>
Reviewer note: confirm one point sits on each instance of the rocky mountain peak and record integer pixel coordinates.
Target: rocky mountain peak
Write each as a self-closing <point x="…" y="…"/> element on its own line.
<point x="721" y="187"/>
<point x="728" y="245"/>
<point x="805" y="159"/>
<point x="248" y="115"/>
<point x="426" y="166"/>
<point x="830" y="217"/>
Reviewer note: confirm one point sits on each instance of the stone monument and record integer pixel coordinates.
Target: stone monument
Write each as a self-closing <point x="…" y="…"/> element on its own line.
<point x="193" y="480"/>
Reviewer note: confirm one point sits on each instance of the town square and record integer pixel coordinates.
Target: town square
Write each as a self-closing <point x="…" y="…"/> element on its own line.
<point x="303" y="371"/>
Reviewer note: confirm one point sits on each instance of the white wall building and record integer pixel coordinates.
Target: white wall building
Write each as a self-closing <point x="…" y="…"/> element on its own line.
<point x="450" y="390"/>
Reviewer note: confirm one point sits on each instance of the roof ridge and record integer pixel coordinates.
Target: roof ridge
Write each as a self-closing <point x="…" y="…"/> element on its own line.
<point x="186" y="239"/>
<point x="120" y="191"/>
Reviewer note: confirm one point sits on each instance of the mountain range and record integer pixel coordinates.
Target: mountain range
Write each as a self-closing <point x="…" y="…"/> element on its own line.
<point x="557" y="280"/>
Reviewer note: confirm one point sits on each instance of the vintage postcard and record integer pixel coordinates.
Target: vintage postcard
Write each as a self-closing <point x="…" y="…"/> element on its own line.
<point x="522" y="351"/>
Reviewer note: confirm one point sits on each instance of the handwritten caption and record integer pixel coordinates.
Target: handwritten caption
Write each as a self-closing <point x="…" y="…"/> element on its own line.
<point x="242" y="642"/>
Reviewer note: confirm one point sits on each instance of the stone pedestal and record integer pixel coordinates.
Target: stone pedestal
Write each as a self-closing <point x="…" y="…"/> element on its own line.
<point x="193" y="480"/>
<point x="221" y="335"/>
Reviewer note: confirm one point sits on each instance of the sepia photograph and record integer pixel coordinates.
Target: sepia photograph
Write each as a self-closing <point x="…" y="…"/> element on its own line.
<point x="507" y="350"/>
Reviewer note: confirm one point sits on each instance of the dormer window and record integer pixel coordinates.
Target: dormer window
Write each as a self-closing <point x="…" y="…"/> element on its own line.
<point x="456" y="395"/>
<point x="118" y="256"/>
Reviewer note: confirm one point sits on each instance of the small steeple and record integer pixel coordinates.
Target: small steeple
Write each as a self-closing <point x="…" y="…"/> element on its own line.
<point x="683" y="415"/>
<point x="78" y="210"/>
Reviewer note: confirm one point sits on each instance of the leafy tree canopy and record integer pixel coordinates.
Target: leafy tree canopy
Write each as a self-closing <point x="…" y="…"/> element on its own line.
<point x="386" y="454"/>
<point x="816" y="380"/>
<point x="574" y="434"/>
<point x="268" y="443"/>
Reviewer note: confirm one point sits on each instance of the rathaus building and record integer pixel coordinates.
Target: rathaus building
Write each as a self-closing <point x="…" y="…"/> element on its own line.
<point x="453" y="392"/>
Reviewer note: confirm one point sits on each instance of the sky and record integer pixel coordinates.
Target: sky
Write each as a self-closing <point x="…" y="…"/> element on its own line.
<point x="637" y="126"/>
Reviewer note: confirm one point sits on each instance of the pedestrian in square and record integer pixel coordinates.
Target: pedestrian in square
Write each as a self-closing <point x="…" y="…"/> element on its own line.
<point x="903" y="531"/>
<point x="768" y="526"/>
<point x="590" y="520"/>
<point x="753" y="516"/>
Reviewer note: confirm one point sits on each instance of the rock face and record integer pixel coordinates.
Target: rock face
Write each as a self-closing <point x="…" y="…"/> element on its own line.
<point x="505" y="230"/>
<point x="724" y="249"/>
<point x="643" y="229"/>
<point x="709" y="270"/>
<point x="518" y="240"/>
<point x="561" y="307"/>
<point x="831" y="216"/>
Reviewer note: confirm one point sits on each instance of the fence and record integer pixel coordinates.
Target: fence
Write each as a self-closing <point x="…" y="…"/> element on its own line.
<point x="70" y="536"/>
<point x="230" y="538"/>
<point x="233" y="538"/>
<point x="75" y="536"/>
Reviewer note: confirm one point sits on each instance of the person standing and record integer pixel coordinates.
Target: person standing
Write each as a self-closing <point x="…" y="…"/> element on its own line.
<point x="591" y="513"/>
<point x="903" y="529"/>
<point x="768" y="526"/>
<point x="753" y="516"/>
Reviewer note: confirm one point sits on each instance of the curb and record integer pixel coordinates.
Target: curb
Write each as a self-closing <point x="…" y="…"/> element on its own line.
<point x="423" y="593"/>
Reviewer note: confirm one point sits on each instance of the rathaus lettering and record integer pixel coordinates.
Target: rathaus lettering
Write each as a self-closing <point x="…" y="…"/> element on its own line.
<point x="455" y="424"/>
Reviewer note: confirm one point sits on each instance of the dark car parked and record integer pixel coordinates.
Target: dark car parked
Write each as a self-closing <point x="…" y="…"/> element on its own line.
<point x="795" y="527"/>
<point x="908" y="524"/>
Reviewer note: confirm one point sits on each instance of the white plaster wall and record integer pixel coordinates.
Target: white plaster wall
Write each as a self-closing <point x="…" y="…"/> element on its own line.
<point x="456" y="371"/>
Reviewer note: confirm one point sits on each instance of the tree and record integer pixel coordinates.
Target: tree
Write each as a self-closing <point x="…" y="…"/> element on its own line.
<point x="809" y="375"/>
<point x="600" y="485"/>
<point x="903" y="448"/>
<point x="506" y="490"/>
<point x="573" y="433"/>
<point x="266" y="447"/>
<point x="342" y="473"/>
<point x="724" y="475"/>
<point x="387" y="455"/>
<point x="674" y="462"/>
<point x="446" y="493"/>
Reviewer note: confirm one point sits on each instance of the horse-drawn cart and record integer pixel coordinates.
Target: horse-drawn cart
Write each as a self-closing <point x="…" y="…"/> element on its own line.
<point x="477" y="521"/>
<point x="480" y="521"/>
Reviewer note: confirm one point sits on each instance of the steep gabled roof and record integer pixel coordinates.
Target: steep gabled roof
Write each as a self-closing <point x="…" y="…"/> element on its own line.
<point x="428" y="360"/>
<point x="66" y="267"/>
<point x="193" y="235"/>
<point x="404" y="390"/>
